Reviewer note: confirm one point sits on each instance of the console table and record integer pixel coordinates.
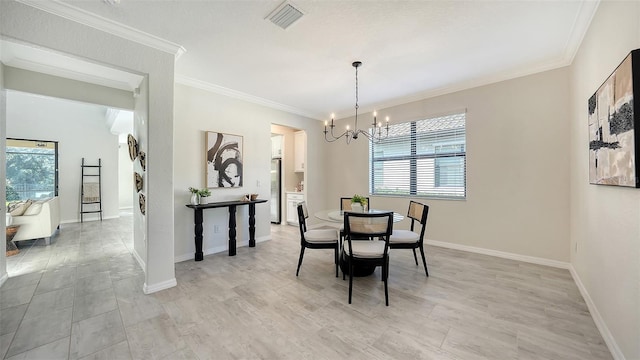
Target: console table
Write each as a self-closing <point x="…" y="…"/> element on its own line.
<point x="232" y="205"/>
<point x="12" y="249"/>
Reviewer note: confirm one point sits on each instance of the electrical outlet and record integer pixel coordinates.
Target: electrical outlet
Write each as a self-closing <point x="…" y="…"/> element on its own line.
<point x="257" y="183"/>
<point x="216" y="229"/>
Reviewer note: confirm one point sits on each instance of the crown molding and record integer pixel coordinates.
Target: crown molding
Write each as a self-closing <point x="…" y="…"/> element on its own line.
<point x="579" y="28"/>
<point x="444" y="90"/>
<point x="578" y="31"/>
<point x="203" y="85"/>
<point x="70" y="12"/>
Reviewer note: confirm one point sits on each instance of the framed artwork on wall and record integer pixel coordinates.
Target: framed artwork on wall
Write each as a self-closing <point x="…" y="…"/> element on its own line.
<point x="613" y="127"/>
<point x="224" y="160"/>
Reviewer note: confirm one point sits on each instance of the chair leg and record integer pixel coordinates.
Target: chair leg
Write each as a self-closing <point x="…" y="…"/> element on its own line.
<point x="336" y="259"/>
<point x="341" y="259"/>
<point x="424" y="261"/>
<point x="415" y="257"/>
<point x="350" y="280"/>
<point x="385" y="270"/>
<point x="300" y="260"/>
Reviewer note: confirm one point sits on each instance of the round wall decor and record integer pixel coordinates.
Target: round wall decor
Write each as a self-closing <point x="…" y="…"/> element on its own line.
<point x="137" y="181"/>
<point x="142" y="200"/>
<point x="143" y="160"/>
<point x="133" y="147"/>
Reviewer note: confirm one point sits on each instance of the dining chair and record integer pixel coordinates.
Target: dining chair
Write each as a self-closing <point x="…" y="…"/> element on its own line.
<point x="315" y="238"/>
<point x="409" y="239"/>
<point x="345" y="203"/>
<point x="367" y="252"/>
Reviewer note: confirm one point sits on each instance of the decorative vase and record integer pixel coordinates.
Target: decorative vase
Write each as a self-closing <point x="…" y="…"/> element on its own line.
<point x="195" y="199"/>
<point x="356" y="207"/>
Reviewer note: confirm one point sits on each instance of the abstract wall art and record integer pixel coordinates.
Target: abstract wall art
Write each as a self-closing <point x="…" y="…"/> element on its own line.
<point x="224" y="160"/>
<point x="613" y="127"/>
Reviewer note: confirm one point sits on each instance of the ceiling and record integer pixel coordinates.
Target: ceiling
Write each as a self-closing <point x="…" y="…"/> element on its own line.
<point x="410" y="49"/>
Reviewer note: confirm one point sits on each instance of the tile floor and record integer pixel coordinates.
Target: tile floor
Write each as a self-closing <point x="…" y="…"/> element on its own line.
<point x="81" y="298"/>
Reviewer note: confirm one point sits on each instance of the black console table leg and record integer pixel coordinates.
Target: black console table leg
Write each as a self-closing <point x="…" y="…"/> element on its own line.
<point x="252" y="225"/>
<point x="198" y="232"/>
<point x="232" y="230"/>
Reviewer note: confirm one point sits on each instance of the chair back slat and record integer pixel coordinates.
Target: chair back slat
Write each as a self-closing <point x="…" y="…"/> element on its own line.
<point x="345" y="203"/>
<point x="415" y="210"/>
<point x="418" y="212"/>
<point x="368" y="224"/>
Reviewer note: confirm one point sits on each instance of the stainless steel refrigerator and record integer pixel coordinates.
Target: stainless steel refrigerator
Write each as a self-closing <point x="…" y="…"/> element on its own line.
<point x="276" y="188"/>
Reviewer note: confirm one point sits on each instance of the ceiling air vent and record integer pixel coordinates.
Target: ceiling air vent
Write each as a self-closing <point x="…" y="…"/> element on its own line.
<point x="285" y="15"/>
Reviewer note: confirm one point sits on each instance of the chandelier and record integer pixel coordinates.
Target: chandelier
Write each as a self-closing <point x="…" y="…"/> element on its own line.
<point x="374" y="134"/>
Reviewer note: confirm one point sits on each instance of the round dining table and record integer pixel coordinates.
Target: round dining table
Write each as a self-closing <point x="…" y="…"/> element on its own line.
<point x="337" y="216"/>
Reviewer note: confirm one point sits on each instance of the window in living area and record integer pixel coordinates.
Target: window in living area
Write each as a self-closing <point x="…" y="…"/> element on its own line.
<point x="32" y="169"/>
<point x="421" y="158"/>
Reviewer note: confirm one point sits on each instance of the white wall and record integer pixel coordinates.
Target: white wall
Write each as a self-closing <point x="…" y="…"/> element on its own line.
<point x="517" y="168"/>
<point x="605" y="220"/>
<point x="3" y="183"/>
<point x="198" y="111"/>
<point x="81" y="132"/>
<point x="48" y="85"/>
<point x="85" y="42"/>
<point x="125" y="178"/>
<point x="141" y="247"/>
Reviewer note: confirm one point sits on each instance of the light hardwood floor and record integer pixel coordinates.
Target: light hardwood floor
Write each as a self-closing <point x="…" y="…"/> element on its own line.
<point x="81" y="298"/>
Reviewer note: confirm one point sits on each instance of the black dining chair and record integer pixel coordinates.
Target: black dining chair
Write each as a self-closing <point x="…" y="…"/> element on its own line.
<point x="410" y="239"/>
<point x="371" y="253"/>
<point x="315" y="238"/>
<point x="345" y="203"/>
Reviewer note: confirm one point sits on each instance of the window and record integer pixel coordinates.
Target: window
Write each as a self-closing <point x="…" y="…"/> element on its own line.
<point x="32" y="169"/>
<point x="421" y="158"/>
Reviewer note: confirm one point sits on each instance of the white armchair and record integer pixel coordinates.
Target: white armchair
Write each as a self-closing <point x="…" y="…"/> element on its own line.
<point x="41" y="220"/>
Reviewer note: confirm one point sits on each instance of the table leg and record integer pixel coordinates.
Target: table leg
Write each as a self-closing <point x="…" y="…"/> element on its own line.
<point x="232" y="230"/>
<point x="11" y="248"/>
<point x="252" y="225"/>
<point x="198" y="233"/>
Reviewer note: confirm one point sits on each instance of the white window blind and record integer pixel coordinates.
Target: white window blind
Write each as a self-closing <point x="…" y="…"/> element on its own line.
<point x="421" y="158"/>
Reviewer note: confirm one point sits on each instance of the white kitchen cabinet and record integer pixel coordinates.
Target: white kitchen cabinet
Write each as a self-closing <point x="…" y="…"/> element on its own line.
<point x="276" y="146"/>
<point x="300" y="148"/>
<point x="293" y="198"/>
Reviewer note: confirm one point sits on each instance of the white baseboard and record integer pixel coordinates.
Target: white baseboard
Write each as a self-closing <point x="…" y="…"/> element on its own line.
<point x="595" y="314"/>
<point x="149" y="289"/>
<point x="500" y="254"/>
<point x="74" y="221"/>
<point x="218" y="249"/>
<point x="3" y="279"/>
<point x="142" y="264"/>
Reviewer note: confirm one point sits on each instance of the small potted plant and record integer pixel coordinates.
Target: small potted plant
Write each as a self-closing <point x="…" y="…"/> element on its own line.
<point x="196" y="194"/>
<point x="358" y="203"/>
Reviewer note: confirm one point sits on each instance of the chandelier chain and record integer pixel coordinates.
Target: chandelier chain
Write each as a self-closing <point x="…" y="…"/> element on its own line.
<point x="356" y="88"/>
